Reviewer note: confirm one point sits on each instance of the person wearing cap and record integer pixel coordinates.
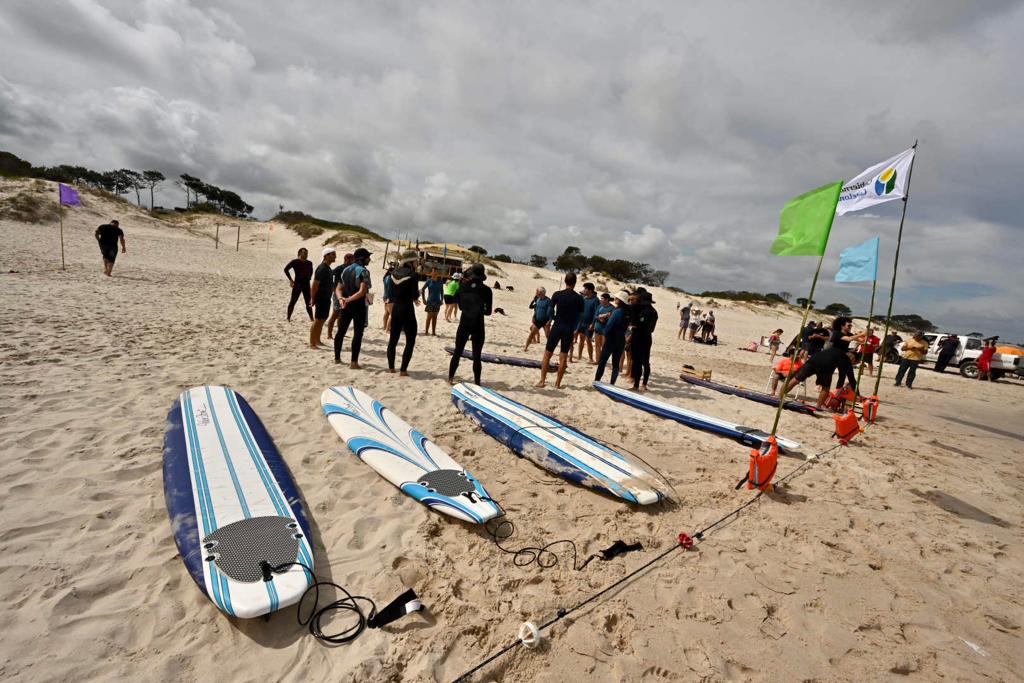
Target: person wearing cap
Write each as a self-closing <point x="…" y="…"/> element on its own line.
<point x="585" y="327"/>
<point x="644" y="320"/>
<point x="450" y="290"/>
<point x="323" y="280"/>
<point x="432" y="293"/>
<point x="568" y="306"/>
<point x="404" y="299"/>
<point x="302" y="270"/>
<point x="474" y="299"/>
<point x="108" y="235"/>
<point x="541" y="319"/>
<point x="336" y="311"/>
<point x="601" y="315"/>
<point x="352" y="289"/>
<point x="614" y="338"/>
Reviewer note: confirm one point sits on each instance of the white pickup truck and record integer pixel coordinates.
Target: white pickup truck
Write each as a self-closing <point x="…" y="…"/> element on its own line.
<point x="966" y="356"/>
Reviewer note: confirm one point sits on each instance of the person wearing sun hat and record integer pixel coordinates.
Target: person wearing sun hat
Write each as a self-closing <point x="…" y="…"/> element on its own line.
<point x="614" y="338"/>
<point x="405" y="296"/>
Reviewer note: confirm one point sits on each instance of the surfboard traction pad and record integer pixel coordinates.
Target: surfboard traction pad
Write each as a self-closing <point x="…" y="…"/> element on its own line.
<point x="451" y="483"/>
<point x="238" y="548"/>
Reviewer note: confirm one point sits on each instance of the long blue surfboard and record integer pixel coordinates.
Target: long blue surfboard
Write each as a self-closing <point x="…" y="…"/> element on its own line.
<point x="558" y="447"/>
<point x="234" y="508"/>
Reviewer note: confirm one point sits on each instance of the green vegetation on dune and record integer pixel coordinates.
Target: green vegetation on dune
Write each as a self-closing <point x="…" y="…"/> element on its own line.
<point x="750" y="297"/>
<point x="307" y="226"/>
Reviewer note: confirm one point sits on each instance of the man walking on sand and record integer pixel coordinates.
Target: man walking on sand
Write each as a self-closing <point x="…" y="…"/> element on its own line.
<point x="323" y="284"/>
<point x="568" y="307"/>
<point x="108" y="236"/>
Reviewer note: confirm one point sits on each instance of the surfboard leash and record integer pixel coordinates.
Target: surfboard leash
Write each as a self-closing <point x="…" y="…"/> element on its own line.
<point x="406" y="603"/>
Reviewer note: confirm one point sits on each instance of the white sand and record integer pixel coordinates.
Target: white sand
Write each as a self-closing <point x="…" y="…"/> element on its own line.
<point x="900" y="554"/>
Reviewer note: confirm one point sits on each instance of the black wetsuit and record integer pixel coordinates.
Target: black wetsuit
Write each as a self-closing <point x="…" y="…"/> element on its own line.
<point x="108" y="236"/>
<point x="824" y="364"/>
<point x="354" y="312"/>
<point x="568" y="306"/>
<point x="404" y="292"/>
<point x="947" y="349"/>
<point x="644" y="319"/>
<point x="474" y="300"/>
<point x="614" y="343"/>
<point x="323" y="291"/>
<point x="302" y="272"/>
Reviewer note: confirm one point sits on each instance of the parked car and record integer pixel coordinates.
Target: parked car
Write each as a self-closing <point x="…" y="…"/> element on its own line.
<point x="966" y="356"/>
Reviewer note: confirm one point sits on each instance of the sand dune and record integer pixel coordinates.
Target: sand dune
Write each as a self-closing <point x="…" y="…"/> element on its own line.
<point x="899" y="555"/>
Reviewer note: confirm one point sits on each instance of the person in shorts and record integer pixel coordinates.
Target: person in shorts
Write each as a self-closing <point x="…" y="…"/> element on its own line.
<point x="323" y="284"/>
<point x="541" y="319"/>
<point x="432" y="293"/>
<point x="568" y="307"/>
<point x="451" y="288"/>
<point x="822" y="366"/>
<point x="108" y="235"/>
<point x="695" y="318"/>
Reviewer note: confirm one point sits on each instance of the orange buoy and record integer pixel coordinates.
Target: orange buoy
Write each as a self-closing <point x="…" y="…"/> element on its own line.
<point x="847" y="426"/>
<point x="869" y="409"/>
<point x="763" y="463"/>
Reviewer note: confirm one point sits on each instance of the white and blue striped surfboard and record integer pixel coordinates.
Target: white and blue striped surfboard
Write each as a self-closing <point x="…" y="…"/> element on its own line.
<point x="406" y="457"/>
<point x="557" y="447"/>
<point x="233" y="505"/>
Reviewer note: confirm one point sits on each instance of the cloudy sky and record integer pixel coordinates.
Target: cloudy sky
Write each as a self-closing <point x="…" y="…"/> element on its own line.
<point x="670" y="133"/>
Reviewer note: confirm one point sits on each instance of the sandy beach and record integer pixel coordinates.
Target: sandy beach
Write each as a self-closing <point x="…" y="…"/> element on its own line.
<point x="897" y="556"/>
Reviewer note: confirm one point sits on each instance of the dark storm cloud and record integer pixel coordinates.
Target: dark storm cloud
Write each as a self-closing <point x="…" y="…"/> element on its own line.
<point x="669" y="134"/>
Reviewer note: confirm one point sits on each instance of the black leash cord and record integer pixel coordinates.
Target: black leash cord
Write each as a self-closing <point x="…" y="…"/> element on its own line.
<point x="317" y="614"/>
<point x="527" y="555"/>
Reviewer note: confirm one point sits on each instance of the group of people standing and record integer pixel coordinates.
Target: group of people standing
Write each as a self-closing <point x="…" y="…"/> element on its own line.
<point x="618" y="328"/>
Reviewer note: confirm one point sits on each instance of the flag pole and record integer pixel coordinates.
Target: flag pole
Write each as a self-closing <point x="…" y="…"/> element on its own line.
<point x="871" y="312"/>
<point x="799" y="340"/>
<point x="895" y="265"/>
<point x="60" y="212"/>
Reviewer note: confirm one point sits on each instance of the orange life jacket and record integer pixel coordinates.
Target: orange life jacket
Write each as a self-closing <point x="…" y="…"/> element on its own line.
<point x="783" y="366"/>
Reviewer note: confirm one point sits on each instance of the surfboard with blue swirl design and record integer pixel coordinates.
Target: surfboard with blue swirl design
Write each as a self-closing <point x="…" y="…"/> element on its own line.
<point x="405" y="457"/>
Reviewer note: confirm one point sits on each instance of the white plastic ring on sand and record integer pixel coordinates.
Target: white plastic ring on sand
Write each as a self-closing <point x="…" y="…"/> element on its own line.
<point x="529" y="635"/>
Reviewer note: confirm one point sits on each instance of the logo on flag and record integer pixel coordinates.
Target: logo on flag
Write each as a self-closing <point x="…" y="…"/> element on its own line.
<point x="881" y="183"/>
<point x="885" y="182"/>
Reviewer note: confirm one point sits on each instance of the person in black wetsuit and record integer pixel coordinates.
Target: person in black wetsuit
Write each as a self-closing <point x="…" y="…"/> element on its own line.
<point x="474" y="300"/>
<point x="823" y="365"/>
<point x="323" y="284"/>
<point x="351" y="289"/>
<point x="405" y="296"/>
<point x="567" y="305"/>
<point x="299" y="272"/>
<point x="644" y="319"/>
<point x="614" y="338"/>
<point x="108" y="235"/>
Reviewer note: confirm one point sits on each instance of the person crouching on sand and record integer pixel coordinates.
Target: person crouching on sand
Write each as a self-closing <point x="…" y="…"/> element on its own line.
<point x="323" y="284"/>
<point x="541" y="320"/>
<point x="567" y="306"/>
<point x="614" y="337"/>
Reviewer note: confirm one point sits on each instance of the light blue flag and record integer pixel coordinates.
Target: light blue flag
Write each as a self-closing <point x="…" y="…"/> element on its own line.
<point x="859" y="263"/>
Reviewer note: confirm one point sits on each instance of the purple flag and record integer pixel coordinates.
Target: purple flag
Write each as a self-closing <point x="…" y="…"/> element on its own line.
<point x="68" y="195"/>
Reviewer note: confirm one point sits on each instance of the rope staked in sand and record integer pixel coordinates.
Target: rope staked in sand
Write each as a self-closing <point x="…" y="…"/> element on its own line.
<point x="685" y="542"/>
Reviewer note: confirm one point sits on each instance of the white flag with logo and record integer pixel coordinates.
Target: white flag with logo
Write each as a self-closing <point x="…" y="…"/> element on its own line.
<point x="881" y="183"/>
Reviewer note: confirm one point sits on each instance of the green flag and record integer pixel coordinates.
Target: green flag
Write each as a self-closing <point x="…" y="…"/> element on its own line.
<point x="806" y="221"/>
